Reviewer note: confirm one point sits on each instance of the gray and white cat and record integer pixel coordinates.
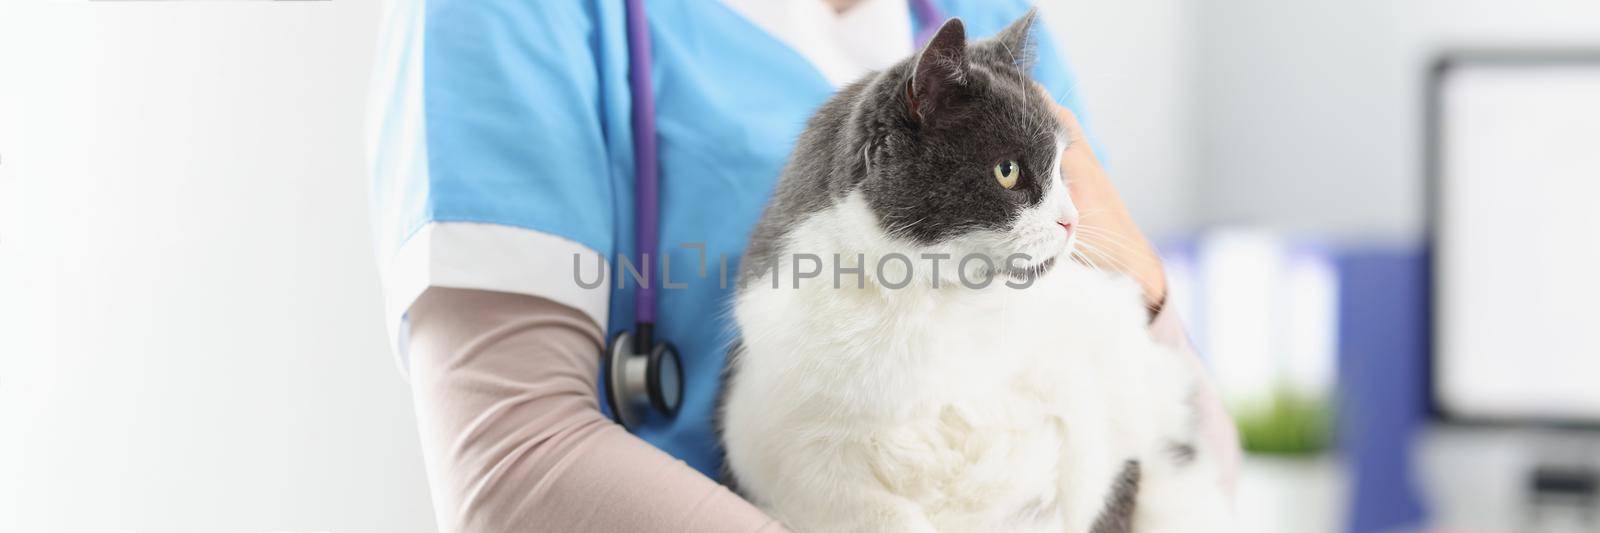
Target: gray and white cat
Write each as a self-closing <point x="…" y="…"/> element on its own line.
<point x="880" y="385"/>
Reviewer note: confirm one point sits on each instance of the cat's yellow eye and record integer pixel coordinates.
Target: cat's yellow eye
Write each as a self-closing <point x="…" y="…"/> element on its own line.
<point x="1007" y="173"/>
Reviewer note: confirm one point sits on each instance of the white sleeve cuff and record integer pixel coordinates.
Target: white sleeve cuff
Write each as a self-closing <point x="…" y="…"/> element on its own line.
<point x="493" y="257"/>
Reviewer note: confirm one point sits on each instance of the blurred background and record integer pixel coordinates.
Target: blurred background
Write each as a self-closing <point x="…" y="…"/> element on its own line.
<point x="191" y="332"/>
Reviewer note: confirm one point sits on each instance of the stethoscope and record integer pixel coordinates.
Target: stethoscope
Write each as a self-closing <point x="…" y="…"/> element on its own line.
<point x="643" y="373"/>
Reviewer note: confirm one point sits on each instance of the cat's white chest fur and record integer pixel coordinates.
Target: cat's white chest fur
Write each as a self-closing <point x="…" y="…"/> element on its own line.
<point x="953" y="409"/>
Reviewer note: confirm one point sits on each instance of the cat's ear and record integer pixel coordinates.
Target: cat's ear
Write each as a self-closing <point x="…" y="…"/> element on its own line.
<point x="1016" y="41"/>
<point x="940" y="71"/>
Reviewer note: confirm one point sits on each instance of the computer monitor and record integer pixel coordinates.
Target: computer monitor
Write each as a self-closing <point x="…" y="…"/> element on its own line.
<point x="1514" y="167"/>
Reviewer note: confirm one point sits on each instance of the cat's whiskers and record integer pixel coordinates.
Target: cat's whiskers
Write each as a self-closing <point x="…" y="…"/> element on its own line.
<point x="1119" y="265"/>
<point x="1113" y="239"/>
<point x="1084" y="215"/>
<point x="1102" y="254"/>
<point x="1061" y="100"/>
<point x="1077" y="255"/>
<point x="904" y="230"/>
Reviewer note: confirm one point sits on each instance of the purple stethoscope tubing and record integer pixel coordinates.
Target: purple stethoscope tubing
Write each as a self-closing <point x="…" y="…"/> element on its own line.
<point x="646" y="170"/>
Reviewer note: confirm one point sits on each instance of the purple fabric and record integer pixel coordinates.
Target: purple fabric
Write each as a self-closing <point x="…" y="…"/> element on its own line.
<point x="929" y="17"/>
<point x="645" y="179"/>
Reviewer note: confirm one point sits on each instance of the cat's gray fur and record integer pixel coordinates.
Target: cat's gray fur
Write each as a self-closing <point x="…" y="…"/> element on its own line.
<point x="1117" y="516"/>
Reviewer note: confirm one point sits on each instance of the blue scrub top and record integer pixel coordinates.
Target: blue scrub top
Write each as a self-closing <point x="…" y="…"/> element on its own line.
<point x="516" y="113"/>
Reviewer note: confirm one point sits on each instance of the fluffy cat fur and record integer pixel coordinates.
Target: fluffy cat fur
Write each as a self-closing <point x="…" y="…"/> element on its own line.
<point x="856" y="402"/>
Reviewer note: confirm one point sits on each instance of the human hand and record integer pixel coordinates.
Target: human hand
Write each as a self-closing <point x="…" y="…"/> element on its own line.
<point x="1107" y="237"/>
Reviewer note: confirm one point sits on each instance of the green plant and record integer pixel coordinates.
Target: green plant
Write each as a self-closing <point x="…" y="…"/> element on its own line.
<point x="1288" y="423"/>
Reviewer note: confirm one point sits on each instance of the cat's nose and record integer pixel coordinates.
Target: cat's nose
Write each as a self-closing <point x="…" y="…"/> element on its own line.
<point x="1068" y="226"/>
<point x="1068" y="221"/>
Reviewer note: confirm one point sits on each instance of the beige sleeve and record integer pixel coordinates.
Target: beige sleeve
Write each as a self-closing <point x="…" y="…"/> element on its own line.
<point x="513" y="436"/>
<point x="1218" y="435"/>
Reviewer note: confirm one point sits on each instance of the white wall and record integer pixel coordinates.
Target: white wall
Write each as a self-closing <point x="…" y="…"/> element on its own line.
<point x="1136" y="68"/>
<point x="191" y="336"/>
<point x="10" y="135"/>
<point x="1310" y="112"/>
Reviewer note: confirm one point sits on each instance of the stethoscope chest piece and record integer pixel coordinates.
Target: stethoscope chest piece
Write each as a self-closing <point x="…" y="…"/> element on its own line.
<point x="641" y="380"/>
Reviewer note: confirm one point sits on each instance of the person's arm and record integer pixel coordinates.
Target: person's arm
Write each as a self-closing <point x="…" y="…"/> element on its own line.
<point x="513" y="436"/>
<point x="1117" y="243"/>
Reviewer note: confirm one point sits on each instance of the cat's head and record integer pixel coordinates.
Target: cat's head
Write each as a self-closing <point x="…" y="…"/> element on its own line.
<point x="965" y="153"/>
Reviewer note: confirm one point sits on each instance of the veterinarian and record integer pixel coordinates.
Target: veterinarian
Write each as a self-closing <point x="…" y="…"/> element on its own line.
<point x="503" y="173"/>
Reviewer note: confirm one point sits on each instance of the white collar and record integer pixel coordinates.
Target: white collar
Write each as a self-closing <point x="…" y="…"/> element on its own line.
<point x="872" y="35"/>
